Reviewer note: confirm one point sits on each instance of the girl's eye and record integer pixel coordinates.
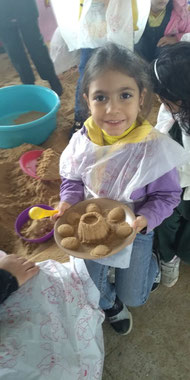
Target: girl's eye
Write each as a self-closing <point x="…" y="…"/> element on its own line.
<point x="125" y="95"/>
<point x="100" y="98"/>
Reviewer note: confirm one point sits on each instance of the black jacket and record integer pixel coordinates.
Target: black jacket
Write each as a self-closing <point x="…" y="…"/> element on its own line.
<point x="8" y="284"/>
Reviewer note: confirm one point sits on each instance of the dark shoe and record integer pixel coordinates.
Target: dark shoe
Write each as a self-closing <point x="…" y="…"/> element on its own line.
<point x="56" y="85"/>
<point x="158" y="277"/>
<point x="156" y="282"/>
<point x="76" y="126"/>
<point x="120" y="318"/>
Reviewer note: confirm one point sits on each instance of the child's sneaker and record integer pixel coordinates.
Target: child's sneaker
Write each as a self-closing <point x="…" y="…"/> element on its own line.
<point x="156" y="282"/>
<point x="170" y="272"/>
<point x="120" y="318"/>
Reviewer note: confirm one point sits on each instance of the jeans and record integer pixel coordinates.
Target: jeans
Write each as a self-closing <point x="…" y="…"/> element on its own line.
<point x="133" y="284"/>
<point x="80" y="113"/>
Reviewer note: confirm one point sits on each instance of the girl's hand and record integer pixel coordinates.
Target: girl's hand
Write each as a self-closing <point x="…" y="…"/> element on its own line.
<point x="167" y="40"/>
<point x="62" y="207"/>
<point x="139" y="223"/>
<point x="19" y="267"/>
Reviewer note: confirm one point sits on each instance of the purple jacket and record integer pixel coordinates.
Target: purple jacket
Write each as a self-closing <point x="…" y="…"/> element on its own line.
<point x="155" y="201"/>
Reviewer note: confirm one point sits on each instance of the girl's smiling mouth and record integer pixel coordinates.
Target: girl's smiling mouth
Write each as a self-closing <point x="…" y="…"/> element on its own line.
<point x="114" y="122"/>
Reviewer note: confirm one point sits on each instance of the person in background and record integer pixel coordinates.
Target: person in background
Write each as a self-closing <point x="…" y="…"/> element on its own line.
<point x="85" y="53"/>
<point x="19" y="31"/>
<point x="171" y="79"/>
<point x="118" y="155"/>
<point x="14" y="272"/>
<point x="168" y="21"/>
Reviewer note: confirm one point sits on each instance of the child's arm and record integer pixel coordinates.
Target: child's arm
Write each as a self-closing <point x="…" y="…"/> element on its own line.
<point x="14" y="272"/>
<point x="161" y="197"/>
<point x="71" y="192"/>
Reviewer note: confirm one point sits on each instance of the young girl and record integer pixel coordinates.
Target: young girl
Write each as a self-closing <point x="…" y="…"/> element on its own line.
<point x="118" y="155"/>
<point x="171" y="77"/>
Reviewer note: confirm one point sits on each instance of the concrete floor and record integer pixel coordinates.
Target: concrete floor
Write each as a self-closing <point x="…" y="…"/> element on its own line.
<point x="158" y="347"/>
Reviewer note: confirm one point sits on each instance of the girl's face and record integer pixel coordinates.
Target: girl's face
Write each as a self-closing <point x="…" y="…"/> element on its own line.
<point x="114" y="101"/>
<point x="158" y="5"/>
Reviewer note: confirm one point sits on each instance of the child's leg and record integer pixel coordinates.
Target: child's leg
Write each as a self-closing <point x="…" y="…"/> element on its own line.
<point x="183" y="240"/>
<point x="99" y="275"/>
<point x="117" y="313"/>
<point x="85" y="54"/>
<point x="165" y="236"/>
<point x="39" y="52"/>
<point x="133" y="285"/>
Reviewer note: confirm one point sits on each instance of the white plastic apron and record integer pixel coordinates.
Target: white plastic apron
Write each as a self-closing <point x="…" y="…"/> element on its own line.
<point x="100" y="21"/>
<point x="115" y="171"/>
<point x="51" y="328"/>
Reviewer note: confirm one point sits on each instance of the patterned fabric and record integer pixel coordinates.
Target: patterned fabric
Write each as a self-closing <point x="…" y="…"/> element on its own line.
<point x="51" y="327"/>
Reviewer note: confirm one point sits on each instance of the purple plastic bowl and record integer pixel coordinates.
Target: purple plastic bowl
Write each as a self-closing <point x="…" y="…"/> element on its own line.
<point x="23" y="217"/>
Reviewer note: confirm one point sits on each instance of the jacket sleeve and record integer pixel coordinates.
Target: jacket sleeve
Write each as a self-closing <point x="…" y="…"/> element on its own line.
<point x="160" y="199"/>
<point x="8" y="284"/>
<point x="71" y="191"/>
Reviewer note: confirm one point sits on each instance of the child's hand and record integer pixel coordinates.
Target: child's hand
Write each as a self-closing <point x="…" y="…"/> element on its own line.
<point x="139" y="223"/>
<point x="62" y="207"/>
<point x="19" y="267"/>
<point x="167" y="40"/>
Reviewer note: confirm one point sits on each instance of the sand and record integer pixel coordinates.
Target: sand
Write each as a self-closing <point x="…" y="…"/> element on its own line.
<point x="28" y="117"/>
<point x="19" y="191"/>
<point x="47" y="167"/>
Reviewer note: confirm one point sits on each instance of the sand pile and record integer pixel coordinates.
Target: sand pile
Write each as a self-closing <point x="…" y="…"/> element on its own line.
<point x="34" y="229"/>
<point x="19" y="191"/>
<point x="48" y="165"/>
<point x="28" y="117"/>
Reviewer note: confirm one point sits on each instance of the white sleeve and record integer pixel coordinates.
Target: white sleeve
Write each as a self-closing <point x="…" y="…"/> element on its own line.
<point x="185" y="37"/>
<point x="164" y="120"/>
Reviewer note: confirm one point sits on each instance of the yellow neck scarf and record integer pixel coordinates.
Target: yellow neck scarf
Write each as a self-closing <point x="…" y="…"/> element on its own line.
<point x="155" y="21"/>
<point x="109" y="140"/>
<point x="134" y="134"/>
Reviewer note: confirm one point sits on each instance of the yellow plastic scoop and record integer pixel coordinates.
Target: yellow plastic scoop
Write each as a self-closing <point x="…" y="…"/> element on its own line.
<point x="39" y="213"/>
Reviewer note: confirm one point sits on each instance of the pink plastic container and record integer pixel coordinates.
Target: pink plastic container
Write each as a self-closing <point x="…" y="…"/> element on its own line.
<point x="28" y="162"/>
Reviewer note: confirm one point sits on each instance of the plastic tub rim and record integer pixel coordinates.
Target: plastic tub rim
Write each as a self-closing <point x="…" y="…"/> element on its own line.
<point x="31" y="124"/>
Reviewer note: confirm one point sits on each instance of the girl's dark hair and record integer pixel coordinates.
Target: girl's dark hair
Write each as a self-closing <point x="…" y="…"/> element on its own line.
<point x="173" y="83"/>
<point x="115" y="57"/>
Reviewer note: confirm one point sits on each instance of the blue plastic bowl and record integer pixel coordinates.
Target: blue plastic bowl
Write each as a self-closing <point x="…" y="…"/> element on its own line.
<point x="16" y="100"/>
